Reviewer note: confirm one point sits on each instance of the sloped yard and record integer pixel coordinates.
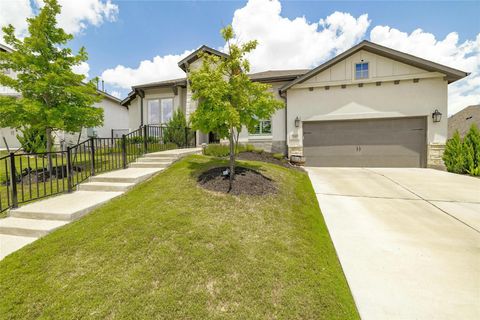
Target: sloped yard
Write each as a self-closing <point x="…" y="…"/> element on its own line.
<point x="170" y="249"/>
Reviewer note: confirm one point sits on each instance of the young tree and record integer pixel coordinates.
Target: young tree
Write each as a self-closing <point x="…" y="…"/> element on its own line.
<point x="53" y="97"/>
<point x="227" y="99"/>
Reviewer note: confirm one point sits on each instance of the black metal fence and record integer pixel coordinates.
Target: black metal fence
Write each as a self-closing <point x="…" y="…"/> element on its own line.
<point x="26" y="177"/>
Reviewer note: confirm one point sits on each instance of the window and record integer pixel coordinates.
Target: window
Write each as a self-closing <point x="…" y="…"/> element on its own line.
<point x="264" y="127"/>
<point x="361" y="70"/>
<point x="159" y="110"/>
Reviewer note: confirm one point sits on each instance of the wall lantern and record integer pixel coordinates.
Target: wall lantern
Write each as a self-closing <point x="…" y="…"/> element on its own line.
<point x="436" y="116"/>
<point x="297" y="122"/>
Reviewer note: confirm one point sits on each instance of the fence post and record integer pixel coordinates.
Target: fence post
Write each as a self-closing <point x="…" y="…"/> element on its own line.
<point x="186" y="137"/>
<point x="145" y="137"/>
<point x="112" y="136"/>
<point x="92" y="156"/>
<point x="69" y="170"/>
<point x="124" y="151"/>
<point x="13" y="180"/>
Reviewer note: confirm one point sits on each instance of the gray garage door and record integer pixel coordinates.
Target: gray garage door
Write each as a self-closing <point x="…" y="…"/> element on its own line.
<point x="399" y="142"/>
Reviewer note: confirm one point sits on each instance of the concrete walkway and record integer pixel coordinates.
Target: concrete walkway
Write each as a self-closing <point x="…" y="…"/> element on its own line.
<point x="27" y="223"/>
<point x="408" y="239"/>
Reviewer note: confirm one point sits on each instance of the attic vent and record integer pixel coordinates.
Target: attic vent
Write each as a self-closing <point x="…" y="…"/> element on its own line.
<point x="396" y="82"/>
<point x="327" y="88"/>
<point x="416" y="80"/>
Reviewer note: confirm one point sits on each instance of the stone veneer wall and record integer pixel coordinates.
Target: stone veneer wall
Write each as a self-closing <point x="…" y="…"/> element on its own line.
<point x="434" y="156"/>
<point x="269" y="145"/>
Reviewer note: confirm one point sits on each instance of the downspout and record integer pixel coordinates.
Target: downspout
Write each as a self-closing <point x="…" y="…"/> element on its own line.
<point x="283" y="95"/>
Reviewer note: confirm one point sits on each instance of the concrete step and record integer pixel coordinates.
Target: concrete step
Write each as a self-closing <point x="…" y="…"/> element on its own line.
<point x="168" y="160"/>
<point x="28" y="227"/>
<point x="130" y="175"/>
<point x="9" y="243"/>
<point x="149" y="165"/>
<point x="175" y="153"/>
<point x="106" y="186"/>
<point x="160" y="155"/>
<point x="66" y="207"/>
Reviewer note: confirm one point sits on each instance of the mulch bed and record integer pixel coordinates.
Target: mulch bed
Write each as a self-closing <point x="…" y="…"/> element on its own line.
<point x="247" y="182"/>
<point x="266" y="157"/>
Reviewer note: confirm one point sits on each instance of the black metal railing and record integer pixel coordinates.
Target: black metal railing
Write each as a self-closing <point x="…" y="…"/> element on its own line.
<point x="31" y="176"/>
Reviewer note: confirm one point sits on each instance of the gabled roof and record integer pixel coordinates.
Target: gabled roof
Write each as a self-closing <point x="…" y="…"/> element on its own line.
<point x="183" y="64"/>
<point x="165" y="83"/>
<point x="451" y="73"/>
<point x="277" y="75"/>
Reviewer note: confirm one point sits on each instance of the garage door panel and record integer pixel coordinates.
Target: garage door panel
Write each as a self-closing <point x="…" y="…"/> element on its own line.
<point x="398" y="142"/>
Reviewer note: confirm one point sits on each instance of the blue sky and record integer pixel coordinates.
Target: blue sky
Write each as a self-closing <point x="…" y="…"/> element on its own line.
<point x="132" y="42"/>
<point x="147" y="28"/>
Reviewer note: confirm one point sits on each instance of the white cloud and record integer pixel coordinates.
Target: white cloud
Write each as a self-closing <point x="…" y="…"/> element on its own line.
<point x="284" y="43"/>
<point x="75" y="17"/>
<point x="116" y="93"/>
<point x="464" y="56"/>
<point x="157" y="69"/>
<point x="15" y="13"/>
<point x="294" y="43"/>
<point x="82" y="68"/>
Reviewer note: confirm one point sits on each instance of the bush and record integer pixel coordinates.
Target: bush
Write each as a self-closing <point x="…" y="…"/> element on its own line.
<point x="177" y="130"/>
<point x="463" y="156"/>
<point x="453" y="156"/>
<point x="223" y="150"/>
<point x="33" y="140"/>
<point x="278" y="156"/>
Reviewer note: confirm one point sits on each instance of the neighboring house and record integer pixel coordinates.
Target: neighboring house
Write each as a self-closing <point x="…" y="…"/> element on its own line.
<point x="370" y="106"/>
<point x="463" y="120"/>
<point x="115" y="118"/>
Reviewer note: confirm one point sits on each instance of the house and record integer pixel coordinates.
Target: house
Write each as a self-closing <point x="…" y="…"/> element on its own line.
<point x="370" y="106"/>
<point x="463" y="120"/>
<point x="115" y="119"/>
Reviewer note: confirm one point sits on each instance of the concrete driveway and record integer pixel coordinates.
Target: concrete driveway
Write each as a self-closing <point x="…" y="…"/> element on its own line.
<point x="408" y="239"/>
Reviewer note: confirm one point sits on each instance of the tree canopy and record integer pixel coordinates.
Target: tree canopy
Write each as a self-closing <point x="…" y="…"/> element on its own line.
<point x="53" y="97"/>
<point x="227" y="99"/>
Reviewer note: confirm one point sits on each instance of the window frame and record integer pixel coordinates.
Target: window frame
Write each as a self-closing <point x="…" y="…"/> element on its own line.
<point x="161" y="111"/>
<point x="261" y="126"/>
<point x="362" y="71"/>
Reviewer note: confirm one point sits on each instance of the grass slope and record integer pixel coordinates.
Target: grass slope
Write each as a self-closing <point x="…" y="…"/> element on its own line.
<point x="169" y="249"/>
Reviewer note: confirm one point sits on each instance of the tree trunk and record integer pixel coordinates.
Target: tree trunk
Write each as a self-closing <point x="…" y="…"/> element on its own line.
<point x="232" y="159"/>
<point x="48" y="132"/>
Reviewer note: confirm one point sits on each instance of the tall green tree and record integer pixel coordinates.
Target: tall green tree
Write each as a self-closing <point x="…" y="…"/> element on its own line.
<point x="227" y="99"/>
<point x="53" y="97"/>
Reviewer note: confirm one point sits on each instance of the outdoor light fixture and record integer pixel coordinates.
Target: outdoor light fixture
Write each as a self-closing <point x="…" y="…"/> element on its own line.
<point x="436" y="116"/>
<point x="297" y="122"/>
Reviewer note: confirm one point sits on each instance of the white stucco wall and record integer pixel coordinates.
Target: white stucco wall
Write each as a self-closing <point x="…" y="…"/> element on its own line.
<point x="389" y="100"/>
<point x="11" y="136"/>
<point x="278" y="126"/>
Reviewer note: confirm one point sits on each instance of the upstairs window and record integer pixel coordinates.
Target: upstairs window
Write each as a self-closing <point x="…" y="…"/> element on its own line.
<point x="264" y="127"/>
<point x="361" y="70"/>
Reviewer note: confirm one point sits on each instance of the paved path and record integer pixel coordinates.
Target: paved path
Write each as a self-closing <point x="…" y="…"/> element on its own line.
<point x="408" y="239"/>
<point x="27" y="223"/>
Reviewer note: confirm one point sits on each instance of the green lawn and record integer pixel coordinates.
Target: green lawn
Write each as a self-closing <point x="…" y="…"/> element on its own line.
<point x="169" y="249"/>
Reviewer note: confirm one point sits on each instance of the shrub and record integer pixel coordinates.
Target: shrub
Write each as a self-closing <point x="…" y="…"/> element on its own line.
<point x="177" y="130"/>
<point x="453" y="156"/>
<point x="33" y="140"/>
<point x="463" y="156"/>
<point x="222" y="150"/>
<point x="278" y="156"/>
<point x="471" y="148"/>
